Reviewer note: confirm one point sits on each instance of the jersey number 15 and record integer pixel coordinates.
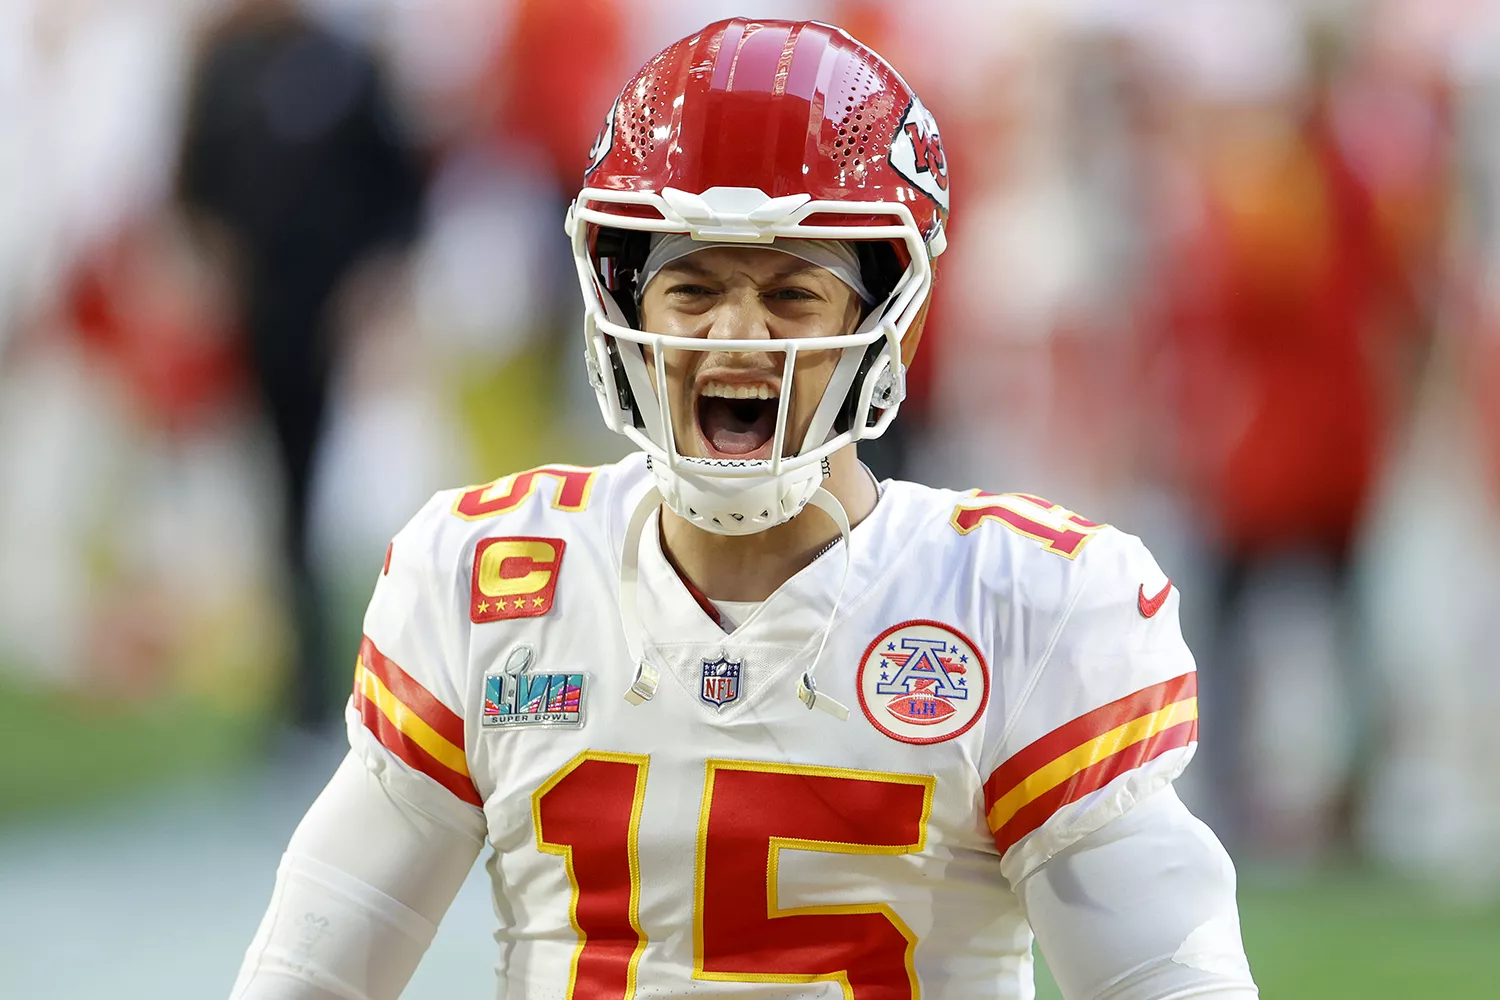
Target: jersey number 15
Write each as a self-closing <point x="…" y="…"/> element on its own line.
<point x="589" y="814"/>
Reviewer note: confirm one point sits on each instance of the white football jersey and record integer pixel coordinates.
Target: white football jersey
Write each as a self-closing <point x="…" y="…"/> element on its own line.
<point x="1015" y="675"/>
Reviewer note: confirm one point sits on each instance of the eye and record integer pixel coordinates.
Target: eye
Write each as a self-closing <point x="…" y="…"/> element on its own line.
<point x="794" y="294"/>
<point x="689" y="290"/>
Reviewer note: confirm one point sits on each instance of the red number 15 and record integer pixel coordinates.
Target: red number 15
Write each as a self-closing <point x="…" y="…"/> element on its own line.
<point x="589" y="812"/>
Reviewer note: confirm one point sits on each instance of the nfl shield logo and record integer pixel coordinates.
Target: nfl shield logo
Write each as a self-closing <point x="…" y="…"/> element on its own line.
<point x="721" y="681"/>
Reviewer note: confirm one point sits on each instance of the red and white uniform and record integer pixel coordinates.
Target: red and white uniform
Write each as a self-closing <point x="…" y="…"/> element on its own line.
<point x="754" y="842"/>
<point x="1020" y="696"/>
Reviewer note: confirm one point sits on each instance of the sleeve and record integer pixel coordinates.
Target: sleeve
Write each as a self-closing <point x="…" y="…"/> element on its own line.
<point x="1140" y="909"/>
<point x="1108" y="715"/>
<point x="405" y="717"/>
<point x="366" y="878"/>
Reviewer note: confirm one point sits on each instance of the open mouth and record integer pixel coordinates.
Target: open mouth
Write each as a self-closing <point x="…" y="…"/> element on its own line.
<point x="737" y="420"/>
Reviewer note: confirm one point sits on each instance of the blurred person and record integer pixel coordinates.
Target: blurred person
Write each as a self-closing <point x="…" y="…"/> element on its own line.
<point x="118" y="380"/>
<point x="89" y="93"/>
<point x="295" y="168"/>
<point x="1434" y="807"/>
<point x="507" y="95"/>
<point x="1295" y="321"/>
<point x="552" y="75"/>
<point x="1062" y="200"/>
<point x="557" y="662"/>
<point x="138" y="571"/>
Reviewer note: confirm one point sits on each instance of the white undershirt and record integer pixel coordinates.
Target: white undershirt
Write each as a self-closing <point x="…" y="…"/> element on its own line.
<point x="733" y="613"/>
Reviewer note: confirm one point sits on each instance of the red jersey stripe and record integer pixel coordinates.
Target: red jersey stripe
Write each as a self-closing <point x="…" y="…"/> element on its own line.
<point x="1081" y="730"/>
<point x="1036" y="812"/>
<point x="443" y="720"/>
<point x="403" y="746"/>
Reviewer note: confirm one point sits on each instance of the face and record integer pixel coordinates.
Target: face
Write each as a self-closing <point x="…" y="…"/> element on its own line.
<point x="724" y="403"/>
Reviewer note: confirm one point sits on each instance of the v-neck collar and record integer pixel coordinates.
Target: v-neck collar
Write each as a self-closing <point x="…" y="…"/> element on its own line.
<point x="672" y="614"/>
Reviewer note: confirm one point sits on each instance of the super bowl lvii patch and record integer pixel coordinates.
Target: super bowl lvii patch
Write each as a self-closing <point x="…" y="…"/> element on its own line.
<point x="515" y="697"/>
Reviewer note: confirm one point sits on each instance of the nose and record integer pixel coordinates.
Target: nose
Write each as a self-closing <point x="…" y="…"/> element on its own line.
<point x="739" y="315"/>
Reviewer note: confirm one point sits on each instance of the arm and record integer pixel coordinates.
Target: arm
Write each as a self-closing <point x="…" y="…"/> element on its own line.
<point x="1141" y="909"/>
<point x="1129" y="896"/>
<point x="367" y="876"/>
<point x="382" y="852"/>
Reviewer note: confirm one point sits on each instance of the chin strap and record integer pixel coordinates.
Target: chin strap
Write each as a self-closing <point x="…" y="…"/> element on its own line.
<point x="643" y="686"/>
<point x="807" y="688"/>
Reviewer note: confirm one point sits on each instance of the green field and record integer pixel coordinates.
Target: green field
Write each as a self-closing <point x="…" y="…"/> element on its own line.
<point x="59" y="751"/>
<point x="1329" y="936"/>
<point x="1354" y="935"/>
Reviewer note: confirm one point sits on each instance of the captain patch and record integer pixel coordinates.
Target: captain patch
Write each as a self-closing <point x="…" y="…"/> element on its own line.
<point x="514" y="578"/>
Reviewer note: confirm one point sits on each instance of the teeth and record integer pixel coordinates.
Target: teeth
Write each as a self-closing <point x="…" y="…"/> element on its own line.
<point x="723" y="390"/>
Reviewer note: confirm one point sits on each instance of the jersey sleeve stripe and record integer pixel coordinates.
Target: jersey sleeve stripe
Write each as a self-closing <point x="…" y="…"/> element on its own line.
<point x="1126" y="739"/>
<point x="447" y="723"/>
<point x="1122" y="734"/>
<point x="1092" y="778"/>
<point x="412" y="753"/>
<point x="409" y="737"/>
<point x="384" y="716"/>
<point x="409" y="724"/>
<point x="1085" y="728"/>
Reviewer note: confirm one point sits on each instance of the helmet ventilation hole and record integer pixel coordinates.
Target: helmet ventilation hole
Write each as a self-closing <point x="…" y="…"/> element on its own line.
<point x="642" y="109"/>
<point x="853" y="130"/>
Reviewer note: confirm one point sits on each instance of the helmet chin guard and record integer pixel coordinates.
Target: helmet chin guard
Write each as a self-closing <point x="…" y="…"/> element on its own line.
<point x="735" y="506"/>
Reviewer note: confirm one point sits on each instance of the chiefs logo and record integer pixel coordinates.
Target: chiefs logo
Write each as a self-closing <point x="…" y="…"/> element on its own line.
<point x="604" y="141"/>
<point x="929" y="153"/>
<point x="917" y="153"/>
<point x="922" y="682"/>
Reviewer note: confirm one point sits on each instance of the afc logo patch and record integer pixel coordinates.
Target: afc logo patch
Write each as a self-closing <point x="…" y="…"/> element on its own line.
<point x="514" y="578"/>
<point x="922" y="682"/>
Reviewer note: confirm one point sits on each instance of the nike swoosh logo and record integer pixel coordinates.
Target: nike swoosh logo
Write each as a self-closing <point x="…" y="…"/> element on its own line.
<point x="1151" y="605"/>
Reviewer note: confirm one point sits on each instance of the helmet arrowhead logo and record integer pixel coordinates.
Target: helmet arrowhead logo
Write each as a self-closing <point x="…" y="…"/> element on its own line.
<point x="604" y="141"/>
<point x="917" y="153"/>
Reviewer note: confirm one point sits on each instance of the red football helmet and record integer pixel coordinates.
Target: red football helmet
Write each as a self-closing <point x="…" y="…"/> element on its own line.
<point x="750" y="132"/>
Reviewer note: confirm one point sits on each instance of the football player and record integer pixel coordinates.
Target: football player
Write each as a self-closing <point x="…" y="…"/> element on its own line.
<point x="733" y="718"/>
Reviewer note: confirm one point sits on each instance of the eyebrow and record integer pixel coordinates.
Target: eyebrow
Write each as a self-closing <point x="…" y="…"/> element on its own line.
<point x="687" y="265"/>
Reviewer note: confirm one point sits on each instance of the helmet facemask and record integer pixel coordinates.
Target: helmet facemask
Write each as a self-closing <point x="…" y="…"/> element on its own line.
<point x="627" y="364"/>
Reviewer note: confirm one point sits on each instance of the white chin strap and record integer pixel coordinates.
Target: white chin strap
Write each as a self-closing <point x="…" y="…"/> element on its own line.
<point x="727" y="506"/>
<point x="643" y="686"/>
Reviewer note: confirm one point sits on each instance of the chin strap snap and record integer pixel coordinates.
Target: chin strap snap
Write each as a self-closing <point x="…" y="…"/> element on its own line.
<point x="643" y="688"/>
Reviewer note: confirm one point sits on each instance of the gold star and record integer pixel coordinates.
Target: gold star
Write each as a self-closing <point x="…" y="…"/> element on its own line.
<point x="484" y="606"/>
<point x="537" y="602"/>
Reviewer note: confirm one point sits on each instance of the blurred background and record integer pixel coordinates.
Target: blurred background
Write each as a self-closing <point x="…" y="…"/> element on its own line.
<point x="1224" y="273"/>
